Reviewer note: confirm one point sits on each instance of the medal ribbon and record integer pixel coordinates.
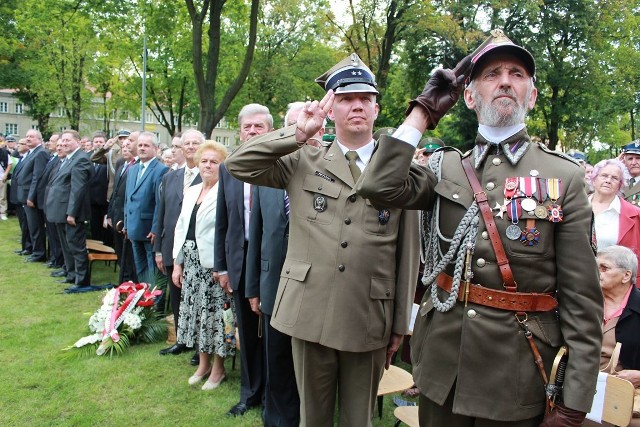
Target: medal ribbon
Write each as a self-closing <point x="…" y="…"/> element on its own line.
<point x="553" y="186"/>
<point x="541" y="184"/>
<point x="514" y="211"/>
<point x="510" y="187"/>
<point x="526" y="186"/>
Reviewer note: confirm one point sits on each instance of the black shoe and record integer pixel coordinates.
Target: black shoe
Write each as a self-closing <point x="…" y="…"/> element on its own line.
<point x="238" y="410"/>
<point x="76" y="288"/>
<point x="56" y="266"/>
<point x="18" y="251"/>
<point x="58" y="273"/>
<point x="174" y="349"/>
<point x="65" y="281"/>
<point x="35" y="259"/>
<point x="24" y="253"/>
<point x="195" y="359"/>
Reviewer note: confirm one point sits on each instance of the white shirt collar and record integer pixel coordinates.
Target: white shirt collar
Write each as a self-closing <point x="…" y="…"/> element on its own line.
<point x="364" y="153"/>
<point x="496" y="135"/>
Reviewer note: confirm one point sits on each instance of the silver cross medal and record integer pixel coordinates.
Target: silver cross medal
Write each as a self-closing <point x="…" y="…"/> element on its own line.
<point x="501" y="209"/>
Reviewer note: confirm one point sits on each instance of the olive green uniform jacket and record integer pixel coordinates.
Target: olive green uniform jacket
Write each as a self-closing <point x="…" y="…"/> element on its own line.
<point x="482" y="351"/>
<point x="632" y="194"/>
<point x="349" y="277"/>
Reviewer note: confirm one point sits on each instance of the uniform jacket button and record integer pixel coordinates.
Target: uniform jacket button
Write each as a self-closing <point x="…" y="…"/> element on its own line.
<point x="344" y="244"/>
<point x="471" y="313"/>
<point x="485" y="235"/>
<point x="481" y="262"/>
<point x="490" y="186"/>
<point x="496" y="161"/>
<point x="341" y="267"/>
<point x="388" y="293"/>
<point x="347" y="221"/>
<point x="352" y="198"/>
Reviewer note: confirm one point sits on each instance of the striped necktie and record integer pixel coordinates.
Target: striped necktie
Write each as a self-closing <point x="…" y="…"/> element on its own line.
<point x="287" y="205"/>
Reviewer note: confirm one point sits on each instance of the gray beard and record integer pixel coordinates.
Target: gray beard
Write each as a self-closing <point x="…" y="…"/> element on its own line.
<point x="498" y="117"/>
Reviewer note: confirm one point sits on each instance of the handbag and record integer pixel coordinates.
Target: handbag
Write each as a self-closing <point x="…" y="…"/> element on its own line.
<point x="611" y="369"/>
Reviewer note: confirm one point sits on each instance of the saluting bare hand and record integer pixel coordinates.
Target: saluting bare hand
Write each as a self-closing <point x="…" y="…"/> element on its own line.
<point x="312" y="116"/>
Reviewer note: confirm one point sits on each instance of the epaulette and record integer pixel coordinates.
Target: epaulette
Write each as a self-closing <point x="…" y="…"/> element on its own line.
<point x="449" y="148"/>
<point x="556" y="153"/>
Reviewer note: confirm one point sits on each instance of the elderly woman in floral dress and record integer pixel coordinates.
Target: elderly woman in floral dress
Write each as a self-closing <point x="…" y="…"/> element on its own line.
<point x="203" y="301"/>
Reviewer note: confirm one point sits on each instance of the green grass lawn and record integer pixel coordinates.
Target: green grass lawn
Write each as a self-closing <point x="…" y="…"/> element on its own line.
<point x="40" y="388"/>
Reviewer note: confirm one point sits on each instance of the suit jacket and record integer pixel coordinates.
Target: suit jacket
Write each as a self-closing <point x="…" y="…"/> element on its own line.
<point x="629" y="227"/>
<point x="141" y="198"/>
<point x="349" y="276"/>
<point x="115" y="211"/>
<point x="32" y="168"/>
<point x="632" y="194"/>
<point x="45" y="180"/>
<point x="205" y="224"/>
<point x="268" y="240"/>
<point x="230" y="237"/>
<point x="68" y="194"/>
<point x="99" y="184"/>
<point x="484" y="352"/>
<point x="170" y="195"/>
<point x="627" y="332"/>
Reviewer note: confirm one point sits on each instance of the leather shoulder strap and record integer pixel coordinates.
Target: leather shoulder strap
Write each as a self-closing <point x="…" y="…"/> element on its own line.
<point x="481" y="198"/>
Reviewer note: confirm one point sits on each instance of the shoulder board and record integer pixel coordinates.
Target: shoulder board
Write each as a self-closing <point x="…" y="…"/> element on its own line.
<point x="556" y="153"/>
<point x="447" y="149"/>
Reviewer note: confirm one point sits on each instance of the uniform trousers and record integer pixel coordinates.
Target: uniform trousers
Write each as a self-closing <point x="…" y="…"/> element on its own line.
<point x="74" y="249"/>
<point x="433" y="415"/>
<point x="321" y="371"/>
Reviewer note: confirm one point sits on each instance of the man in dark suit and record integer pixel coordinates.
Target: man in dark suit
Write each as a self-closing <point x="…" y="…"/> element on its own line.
<point x="167" y="213"/>
<point x="98" y="188"/>
<point x="140" y="202"/>
<point x="115" y="213"/>
<point x="68" y="207"/>
<point x="25" y="240"/>
<point x="56" y="259"/>
<point x="33" y="165"/>
<point x="232" y="233"/>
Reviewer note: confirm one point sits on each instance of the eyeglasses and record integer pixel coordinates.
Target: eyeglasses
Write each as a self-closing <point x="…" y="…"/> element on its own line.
<point x="613" y="178"/>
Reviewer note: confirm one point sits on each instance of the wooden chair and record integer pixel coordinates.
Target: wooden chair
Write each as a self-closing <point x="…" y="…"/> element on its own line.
<point x="407" y="415"/>
<point x="618" y="402"/>
<point x="394" y="380"/>
<point x="100" y="252"/>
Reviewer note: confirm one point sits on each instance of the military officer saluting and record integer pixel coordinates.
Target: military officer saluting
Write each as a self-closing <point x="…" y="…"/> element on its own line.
<point x="631" y="159"/>
<point x="509" y="256"/>
<point x="347" y="284"/>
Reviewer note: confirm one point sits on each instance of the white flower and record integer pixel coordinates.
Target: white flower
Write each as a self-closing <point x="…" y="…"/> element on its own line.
<point x="89" y="339"/>
<point x="133" y="321"/>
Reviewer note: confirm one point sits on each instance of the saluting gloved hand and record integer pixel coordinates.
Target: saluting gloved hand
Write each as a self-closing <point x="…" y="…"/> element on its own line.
<point x="442" y="91"/>
<point x="562" y="416"/>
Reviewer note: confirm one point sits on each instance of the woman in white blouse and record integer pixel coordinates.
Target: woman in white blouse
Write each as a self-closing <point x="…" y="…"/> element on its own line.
<point x="617" y="222"/>
<point x="203" y="301"/>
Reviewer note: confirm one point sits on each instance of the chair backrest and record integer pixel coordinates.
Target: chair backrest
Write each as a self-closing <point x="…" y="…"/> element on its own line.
<point x="618" y="401"/>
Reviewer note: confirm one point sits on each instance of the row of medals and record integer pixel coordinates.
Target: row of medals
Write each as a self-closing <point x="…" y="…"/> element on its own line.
<point x="529" y="194"/>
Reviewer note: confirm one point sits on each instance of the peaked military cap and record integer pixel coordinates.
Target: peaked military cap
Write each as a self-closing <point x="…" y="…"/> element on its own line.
<point x="430" y="144"/>
<point x="10" y="138"/>
<point x="633" y="148"/>
<point x="348" y="76"/>
<point x="498" y="42"/>
<point x="122" y="133"/>
<point x="383" y="131"/>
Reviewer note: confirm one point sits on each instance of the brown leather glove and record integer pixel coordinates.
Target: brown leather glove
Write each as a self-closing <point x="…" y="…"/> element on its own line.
<point x="442" y="91"/>
<point x="562" y="416"/>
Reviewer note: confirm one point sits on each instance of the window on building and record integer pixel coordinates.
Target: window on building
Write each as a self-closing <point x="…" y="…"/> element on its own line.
<point x="4" y="107"/>
<point x="11" y="129"/>
<point x="18" y="108"/>
<point x="149" y="117"/>
<point x="34" y="127"/>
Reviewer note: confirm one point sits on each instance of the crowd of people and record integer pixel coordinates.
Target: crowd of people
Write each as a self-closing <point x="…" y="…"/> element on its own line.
<point x="317" y="251"/>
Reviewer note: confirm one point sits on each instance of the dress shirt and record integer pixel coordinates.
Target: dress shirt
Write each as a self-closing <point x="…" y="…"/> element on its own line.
<point x="607" y="224"/>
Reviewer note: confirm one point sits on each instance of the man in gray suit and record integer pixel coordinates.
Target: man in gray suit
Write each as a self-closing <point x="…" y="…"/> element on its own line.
<point x="166" y="216"/>
<point x="68" y="206"/>
<point x="33" y="166"/>
<point x="231" y="242"/>
<point x="346" y="288"/>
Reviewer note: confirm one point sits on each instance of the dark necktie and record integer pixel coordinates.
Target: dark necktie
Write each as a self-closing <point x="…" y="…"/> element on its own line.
<point x="352" y="156"/>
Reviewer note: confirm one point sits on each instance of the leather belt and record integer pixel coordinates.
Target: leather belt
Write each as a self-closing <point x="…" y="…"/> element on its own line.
<point x="502" y="300"/>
